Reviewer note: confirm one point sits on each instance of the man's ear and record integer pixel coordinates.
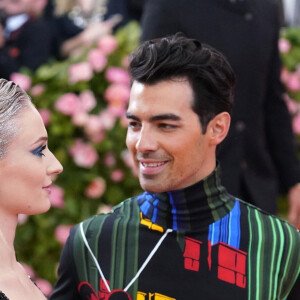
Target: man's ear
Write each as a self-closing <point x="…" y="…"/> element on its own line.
<point x="218" y="128"/>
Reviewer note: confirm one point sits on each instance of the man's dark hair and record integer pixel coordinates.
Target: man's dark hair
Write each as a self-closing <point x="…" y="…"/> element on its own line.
<point x="207" y="70"/>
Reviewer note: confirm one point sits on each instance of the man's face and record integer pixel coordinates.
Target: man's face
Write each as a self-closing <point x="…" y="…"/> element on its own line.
<point x="165" y="137"/>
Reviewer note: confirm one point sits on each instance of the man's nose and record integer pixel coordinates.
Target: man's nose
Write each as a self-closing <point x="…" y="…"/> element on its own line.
<point x="146" y="141"/>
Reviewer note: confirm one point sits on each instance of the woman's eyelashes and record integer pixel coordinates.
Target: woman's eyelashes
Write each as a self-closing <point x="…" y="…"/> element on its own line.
<point x="39" y="151"/>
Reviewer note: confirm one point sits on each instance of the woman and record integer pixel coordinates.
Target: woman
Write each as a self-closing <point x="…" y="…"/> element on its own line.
<point x="25" y="37"/>
<point x="27" y="170"/>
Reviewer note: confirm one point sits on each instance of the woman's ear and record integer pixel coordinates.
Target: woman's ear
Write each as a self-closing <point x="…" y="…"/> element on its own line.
<point x="218" y="128"/>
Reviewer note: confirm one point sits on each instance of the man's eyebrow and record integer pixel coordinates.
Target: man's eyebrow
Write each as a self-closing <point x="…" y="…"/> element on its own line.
<point x="131" y="116"/>
<point x="161" y="117"/>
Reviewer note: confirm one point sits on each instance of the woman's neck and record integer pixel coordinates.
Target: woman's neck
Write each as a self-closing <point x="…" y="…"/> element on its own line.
<point x="8" y="225"/>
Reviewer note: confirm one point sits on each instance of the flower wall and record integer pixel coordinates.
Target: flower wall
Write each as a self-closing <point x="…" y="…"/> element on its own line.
<point x="82" y="101"/>
<point x="289" y="46"/>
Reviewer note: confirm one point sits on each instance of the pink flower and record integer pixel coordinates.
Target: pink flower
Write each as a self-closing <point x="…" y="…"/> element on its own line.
<point x="110" y="159"/>
<point x="284" y="45"/>
<point x="96" y="188"/>
<point x="80" y="72"/>
<point x="97" y="137"/>
<point x="22" y="80"/>
<point x="28" y="270"/>
<point x="292" y="105"/>
<point x="45" y="114"/>
<point x="62" y="232"/>
<point x="37" y="89"/>
<point x="117" y="175"/>
<point x="124" y="121"/>
<point x="125" y="62"/>
<point x="108" y="44"/>
<point x="284" y="74"/>
<point x="80" y="118"/>
<point x="93" y="124"/>
<point x="108" y="120"/>
<point x="97" y="59"/>
<point x="22" y="219"/>
<point x="84" y="155"/>
<point x="94" y="129"/>
<point x="57" y="196"/>
<point x="117" y="92"/>
<point x="88" y="100"/>
<point x="293" y="82"/>
<point x="128" y="160"/>
<point x="44" y="285"/>
<point x="117" y="108"/>
<point x="296" y="124"/>
<point x="117" y="75"/>
<point x="68" y="104"/>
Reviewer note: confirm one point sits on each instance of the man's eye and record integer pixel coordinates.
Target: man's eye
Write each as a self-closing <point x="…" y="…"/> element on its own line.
<point x="167" y="126"/>
<point x="133" y="125"/>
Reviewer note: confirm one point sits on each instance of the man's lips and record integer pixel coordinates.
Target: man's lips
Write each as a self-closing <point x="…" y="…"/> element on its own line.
<point x="152" y="164"/>
<point x="152" y="167"/>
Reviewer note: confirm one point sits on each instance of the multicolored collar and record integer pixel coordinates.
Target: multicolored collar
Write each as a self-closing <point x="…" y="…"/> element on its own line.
<point x="190" y="209"/>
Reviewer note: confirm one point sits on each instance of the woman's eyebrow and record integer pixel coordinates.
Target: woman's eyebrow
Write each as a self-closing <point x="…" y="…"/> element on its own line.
<point x="40" y="139"/>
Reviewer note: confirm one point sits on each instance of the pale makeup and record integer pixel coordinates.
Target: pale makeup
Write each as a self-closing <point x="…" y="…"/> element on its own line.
<point x="28" y="167"/>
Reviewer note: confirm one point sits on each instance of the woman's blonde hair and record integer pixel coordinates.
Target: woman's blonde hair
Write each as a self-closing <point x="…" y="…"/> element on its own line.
<point x="13" y="100"/>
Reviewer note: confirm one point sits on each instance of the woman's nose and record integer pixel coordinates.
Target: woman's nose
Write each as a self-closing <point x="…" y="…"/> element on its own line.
<point x="55" y="167"/>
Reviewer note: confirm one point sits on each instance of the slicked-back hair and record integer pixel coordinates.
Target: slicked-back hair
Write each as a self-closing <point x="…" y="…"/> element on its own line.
<point x="178" y="57"/>
<point x="13" y="100"/>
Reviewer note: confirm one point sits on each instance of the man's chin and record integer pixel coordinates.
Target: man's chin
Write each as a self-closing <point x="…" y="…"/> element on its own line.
<point x="151" y="187"/>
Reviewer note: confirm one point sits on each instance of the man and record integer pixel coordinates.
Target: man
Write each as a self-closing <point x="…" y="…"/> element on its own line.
<point x="185" y="237"/>
<point x="25" y="39"/>
<point x="258" y="157"/>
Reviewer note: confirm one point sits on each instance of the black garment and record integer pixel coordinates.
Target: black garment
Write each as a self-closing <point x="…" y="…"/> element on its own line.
<point x="62" y="28"/>
<point x="129" y="9"/>
<point x="2" y="296"/>
<point x="259" y="151"/>
<point x="29" y="46"/>
<point x="210" y="246"/>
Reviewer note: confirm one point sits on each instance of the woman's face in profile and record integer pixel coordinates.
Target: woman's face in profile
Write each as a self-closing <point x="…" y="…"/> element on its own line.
<point x="28" y="167"/>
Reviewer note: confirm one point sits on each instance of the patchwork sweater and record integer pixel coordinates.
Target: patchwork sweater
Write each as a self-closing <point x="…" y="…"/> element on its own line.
<point x="194" y="243"/>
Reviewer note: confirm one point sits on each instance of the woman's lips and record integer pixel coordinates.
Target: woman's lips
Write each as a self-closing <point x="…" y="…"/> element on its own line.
<point x="47" y="188"/>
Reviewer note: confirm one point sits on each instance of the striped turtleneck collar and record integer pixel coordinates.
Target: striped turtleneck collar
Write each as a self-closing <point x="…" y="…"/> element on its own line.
<point x="190" y="209"/>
